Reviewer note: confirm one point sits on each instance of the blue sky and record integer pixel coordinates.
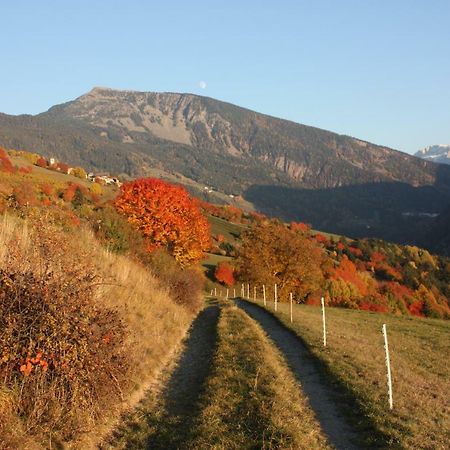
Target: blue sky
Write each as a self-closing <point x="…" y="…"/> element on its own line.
<point x="377" y="70"/>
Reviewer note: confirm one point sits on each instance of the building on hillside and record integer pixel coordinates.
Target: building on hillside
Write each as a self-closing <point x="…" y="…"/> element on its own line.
<point x="103" y="178"/>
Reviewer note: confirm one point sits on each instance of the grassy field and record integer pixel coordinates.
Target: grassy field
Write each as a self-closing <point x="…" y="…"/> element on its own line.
<point x="354" y="358"/>
<point x="58" y="179"/>
<point x="231" y="231"/>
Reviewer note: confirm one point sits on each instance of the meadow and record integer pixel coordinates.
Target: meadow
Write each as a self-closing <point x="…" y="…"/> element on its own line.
<point x="354" y="358"/>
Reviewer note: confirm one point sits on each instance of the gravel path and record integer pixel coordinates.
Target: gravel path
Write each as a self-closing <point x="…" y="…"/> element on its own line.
<point x="338" y="431"/>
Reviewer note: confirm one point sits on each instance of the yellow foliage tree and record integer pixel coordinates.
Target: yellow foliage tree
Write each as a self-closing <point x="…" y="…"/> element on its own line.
<point x="79" y="172"/>
<point x="272" y="253"/>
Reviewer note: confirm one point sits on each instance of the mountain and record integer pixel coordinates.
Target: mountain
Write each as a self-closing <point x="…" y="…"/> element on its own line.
<point x="436" y="236"/>
<point x="437" y="153"/>
<point x="338" y="183"/>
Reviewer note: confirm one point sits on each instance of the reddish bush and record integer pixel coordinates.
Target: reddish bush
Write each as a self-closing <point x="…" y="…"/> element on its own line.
<point x="62" y="167"/>
<point x="26" y="170"/>
<point x="42" y="162"/>
<point x="366" y="305"/>
<point x="355" y="251"/>
<point x="347" y="272"/>
<point x="24" y="195"/>
<point x="48" y="190"/>
<point x="5" y="163"/>
<point x="416" y="308"/>
<point x="299" y="226"/>
<point x="321" y="239"/>
<point x="224" y="274"/>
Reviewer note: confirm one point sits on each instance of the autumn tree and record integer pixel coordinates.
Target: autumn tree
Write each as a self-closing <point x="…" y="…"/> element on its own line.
<point x="167" y="216"/>
<point x="5" y="163"/>
<point x="41" y="162"/>
<point x="272" y="253"/>
<point x="79" y="172"/>
<point x="224" y="274"/>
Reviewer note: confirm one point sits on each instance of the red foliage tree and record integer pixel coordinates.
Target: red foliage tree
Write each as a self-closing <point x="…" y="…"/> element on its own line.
<point x="321" y="239"/>
<point x="355" y="251"/>
<point x="62" y="167"/>
<point x="224" y="274"/>
<point x="70" y="192"/>
<point x="5" y="163"/>
<point x="347" y="272"/>
<point x="167" y="216"/>
<point x="299" y="226"/>
<point x="25" y="170"/>
<point x="41" y="162"/>
<point x="47" y="189"/>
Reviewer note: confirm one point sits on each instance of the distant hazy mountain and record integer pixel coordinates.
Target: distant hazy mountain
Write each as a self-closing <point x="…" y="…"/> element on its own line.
<point x="437" y="153"/>
<point x="338" y="183"/>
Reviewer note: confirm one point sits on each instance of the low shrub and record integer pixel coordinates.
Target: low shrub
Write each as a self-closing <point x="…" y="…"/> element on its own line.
<point x="185" y="284"/>
<point x="116" y="233"/>
<point x="61" y="353"/>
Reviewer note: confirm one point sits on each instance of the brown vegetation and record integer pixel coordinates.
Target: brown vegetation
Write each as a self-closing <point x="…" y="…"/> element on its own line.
<point x="81" y="330"/>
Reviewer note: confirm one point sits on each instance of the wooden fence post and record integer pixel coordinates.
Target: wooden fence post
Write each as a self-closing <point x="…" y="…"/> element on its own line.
<point x="264" y="294"/>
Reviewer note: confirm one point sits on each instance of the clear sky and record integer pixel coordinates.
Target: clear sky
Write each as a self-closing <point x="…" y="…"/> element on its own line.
<point x="374" y="69"/>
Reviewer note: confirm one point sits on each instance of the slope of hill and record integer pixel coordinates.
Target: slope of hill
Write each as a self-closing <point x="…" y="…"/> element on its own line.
<point x="437" y="235"/>
<point x="276" y="164"/>
<point x="437" y="153"/>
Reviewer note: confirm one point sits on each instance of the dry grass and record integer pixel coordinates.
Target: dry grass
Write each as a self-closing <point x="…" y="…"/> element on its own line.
<point x="252" y="399"/>
<point x="355" y="358"/>
<point x="155" y="325"/>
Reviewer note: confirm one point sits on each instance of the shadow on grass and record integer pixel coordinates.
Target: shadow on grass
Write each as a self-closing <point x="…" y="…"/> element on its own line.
<point x="210" y="269"/>
<point x="165" y="421"/>
<point x="338" y="410"/>
<point x="181" y="397"/>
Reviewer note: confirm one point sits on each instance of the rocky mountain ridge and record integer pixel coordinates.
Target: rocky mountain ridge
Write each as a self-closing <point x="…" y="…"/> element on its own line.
<point x="358" y="188"/>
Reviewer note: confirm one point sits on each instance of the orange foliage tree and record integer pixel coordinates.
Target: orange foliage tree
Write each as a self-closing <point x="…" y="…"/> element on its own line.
<point x="272" y="253"/>
<point x="224" y="274"/>
<point x="167" y="216"/>
<point x="5" y="163"/>
<point x="347" y="272"/>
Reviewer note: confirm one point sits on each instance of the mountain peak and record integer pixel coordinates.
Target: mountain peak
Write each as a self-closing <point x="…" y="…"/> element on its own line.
<point x="338" y="183"/>
<point x="439" y="153"/>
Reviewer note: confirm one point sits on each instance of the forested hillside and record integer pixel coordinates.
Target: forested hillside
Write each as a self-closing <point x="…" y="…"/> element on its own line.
<point x="337" y="183"/>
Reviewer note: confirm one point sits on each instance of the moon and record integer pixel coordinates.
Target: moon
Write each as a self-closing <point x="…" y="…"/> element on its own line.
<point x="202" y="84"/>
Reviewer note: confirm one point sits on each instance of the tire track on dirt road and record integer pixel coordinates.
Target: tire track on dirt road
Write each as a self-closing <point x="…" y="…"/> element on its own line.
<point x="165" y="419"/>
<point x="339" y="432"/>
<point x="187" y="382"/>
